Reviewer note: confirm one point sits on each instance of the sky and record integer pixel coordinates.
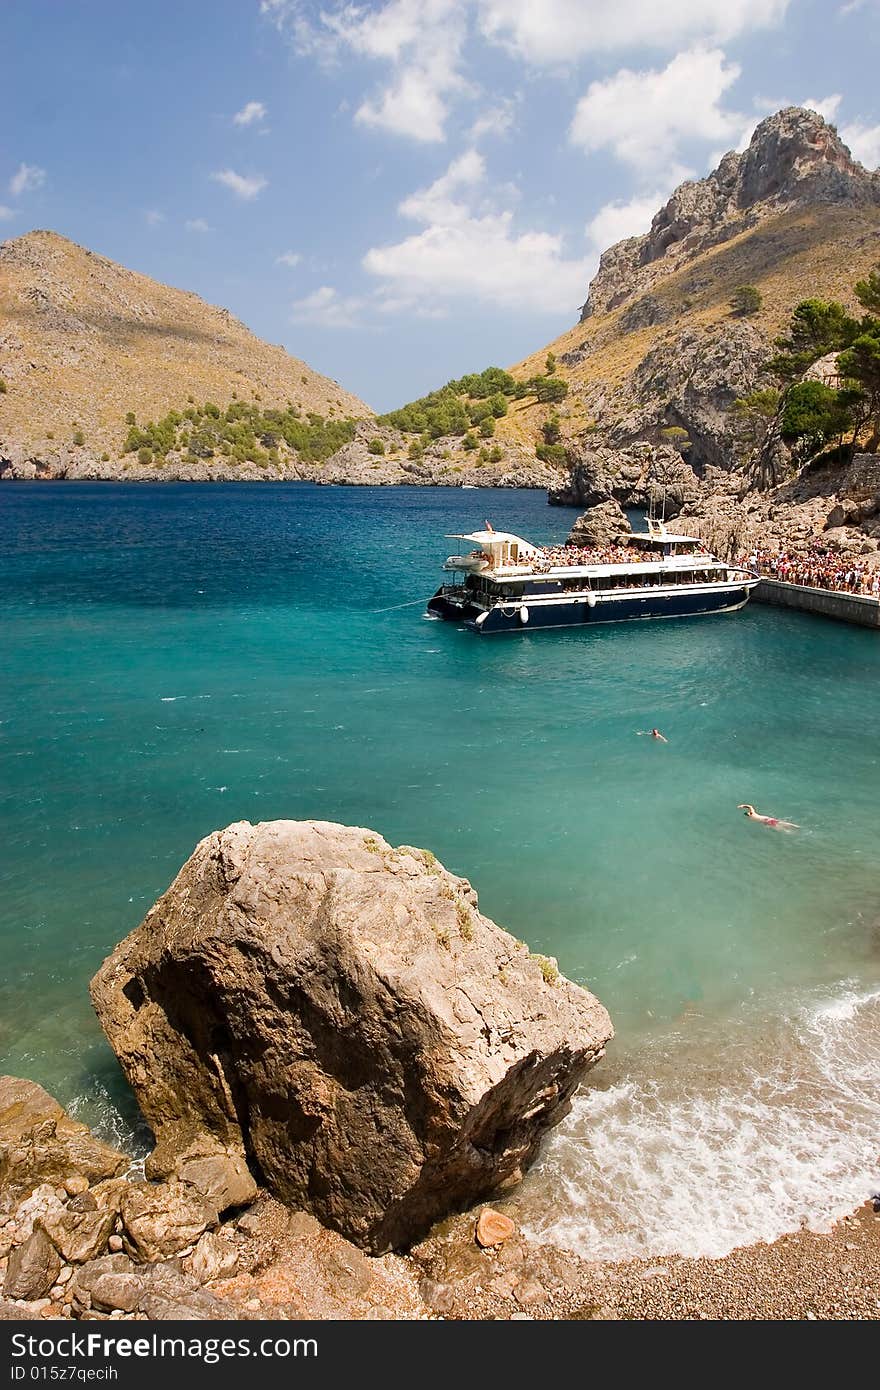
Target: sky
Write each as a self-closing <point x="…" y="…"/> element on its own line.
<point x="398" y="191"/>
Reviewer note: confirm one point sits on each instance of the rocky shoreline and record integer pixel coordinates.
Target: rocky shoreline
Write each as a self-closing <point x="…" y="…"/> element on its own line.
<point x="122" y="1249"/>
<point x="347" y="1068"/>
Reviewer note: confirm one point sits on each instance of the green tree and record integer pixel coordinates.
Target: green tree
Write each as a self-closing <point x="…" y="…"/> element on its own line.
<point x="746" y="300"/>
<point x="817" y="328"/>
<point x="551" y="429"/>
<point x="550" y="363"/>
<point x="860" y="364"/>
<point x="868" y="292"/>
<point x="549" y="390"/>
<point x="376" y="446"/>
<point x="487" y="427"/>
<point x="812" y="414"/>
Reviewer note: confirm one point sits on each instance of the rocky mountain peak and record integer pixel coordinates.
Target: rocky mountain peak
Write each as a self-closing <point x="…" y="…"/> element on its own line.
<point x="793" y="157"/>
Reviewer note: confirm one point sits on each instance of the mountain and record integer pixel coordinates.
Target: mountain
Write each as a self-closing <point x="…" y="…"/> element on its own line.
<point x="658" y="346"/>
<point x="85" y="343"/>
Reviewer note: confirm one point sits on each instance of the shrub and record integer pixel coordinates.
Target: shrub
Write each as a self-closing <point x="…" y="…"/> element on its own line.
<point x="557" y="454"/>
<point x="105" y="458"/>
<point x="550" y="363"/>
<point x="487" y="427"/>
<point x="549" y="390"/>
<point x="79" y="438"/>
<point x="550" y="429"/>
<point x="495" y="454"/>
<point x="745" y="300"/>
<point x="129" y="419"/>
<point x="3" y="387"/>
<point x="376" y="446"/>
<point x="677" y="437"/>
<point x="469" y="442"/>
<point x="145" y="456"/>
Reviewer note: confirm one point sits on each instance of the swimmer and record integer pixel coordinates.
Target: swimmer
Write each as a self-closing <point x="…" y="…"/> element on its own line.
<point x="772" y="822"/>
<point x="653" y="733"/>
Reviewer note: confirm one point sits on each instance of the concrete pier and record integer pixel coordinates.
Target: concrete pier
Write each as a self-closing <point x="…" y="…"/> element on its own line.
<point x="828" y="603"/>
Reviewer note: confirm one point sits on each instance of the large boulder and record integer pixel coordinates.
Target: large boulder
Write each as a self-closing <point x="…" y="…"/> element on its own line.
<point x="604" y="524"/>
<point x="41" y="1143"/>
<point x="340" y="1013"/>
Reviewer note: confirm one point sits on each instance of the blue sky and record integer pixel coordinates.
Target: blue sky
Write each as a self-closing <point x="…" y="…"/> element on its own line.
<point x="405" y="190"/>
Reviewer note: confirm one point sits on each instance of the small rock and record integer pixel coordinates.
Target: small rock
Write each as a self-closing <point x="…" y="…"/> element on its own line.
<point x="32" y="1269"/>
<point x="116" y="1292"/>
<point x="520" y="1317"/>
<point x="114" y="1244"/>
<point x="438" y="1297"/>
<point x="213" y="1258"/>
<point x="76" y="1184"/>
<point x="493" y="1228"/>
<point x="79" y="1236"/>
<point x="529" y="1291"/>
<point x="161" y="1219"/>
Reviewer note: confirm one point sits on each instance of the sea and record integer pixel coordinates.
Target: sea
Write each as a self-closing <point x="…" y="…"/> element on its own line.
<point x="178" y="657"/>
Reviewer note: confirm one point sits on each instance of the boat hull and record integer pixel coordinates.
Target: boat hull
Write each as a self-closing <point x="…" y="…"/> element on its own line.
<point x="532" y="615"/>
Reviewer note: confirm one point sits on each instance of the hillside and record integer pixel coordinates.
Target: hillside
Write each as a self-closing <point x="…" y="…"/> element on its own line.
<point x="85" y="343"/>
<point x="658" y="344"/>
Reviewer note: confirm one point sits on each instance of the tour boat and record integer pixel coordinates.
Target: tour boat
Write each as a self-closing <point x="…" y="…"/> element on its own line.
<point x="506" y="584"/>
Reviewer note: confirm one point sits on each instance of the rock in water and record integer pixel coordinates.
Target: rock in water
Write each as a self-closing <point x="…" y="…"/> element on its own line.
<point x="605" y="524"/>
<point x="340" y="1013"/>
<point x="39" y="1143"/>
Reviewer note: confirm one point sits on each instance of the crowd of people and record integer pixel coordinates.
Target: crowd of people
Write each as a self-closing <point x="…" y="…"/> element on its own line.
<point x="611" y="554"/>
<point x="819" y="568"/>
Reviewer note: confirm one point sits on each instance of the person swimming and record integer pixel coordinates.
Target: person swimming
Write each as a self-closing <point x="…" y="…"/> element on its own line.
<point x="653" y="733"/>
<point x="773" y="822"/>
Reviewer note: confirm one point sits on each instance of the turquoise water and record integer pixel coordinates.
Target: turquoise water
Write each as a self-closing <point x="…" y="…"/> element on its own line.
<point x="179" y="657"/>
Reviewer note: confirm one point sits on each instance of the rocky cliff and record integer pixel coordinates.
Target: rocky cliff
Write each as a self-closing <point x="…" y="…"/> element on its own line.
<point x="659" y="346"/>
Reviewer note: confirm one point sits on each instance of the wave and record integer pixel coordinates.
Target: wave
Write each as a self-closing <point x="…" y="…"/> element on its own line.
<point x="704" y="1145"/>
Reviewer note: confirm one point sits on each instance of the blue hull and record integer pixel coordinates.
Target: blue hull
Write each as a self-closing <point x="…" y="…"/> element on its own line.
<point x="577" y="613"/>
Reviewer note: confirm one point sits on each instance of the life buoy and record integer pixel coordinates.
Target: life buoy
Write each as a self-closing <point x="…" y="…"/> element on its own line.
<point x="523" y="614"/>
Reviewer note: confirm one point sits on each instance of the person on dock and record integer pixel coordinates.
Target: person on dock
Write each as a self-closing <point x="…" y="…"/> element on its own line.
<point x="653" y="733"/>
<point x="773" y="822"/>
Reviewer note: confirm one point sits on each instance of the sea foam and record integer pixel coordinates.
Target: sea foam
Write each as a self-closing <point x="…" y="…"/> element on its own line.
<point x="703" y="1148"/>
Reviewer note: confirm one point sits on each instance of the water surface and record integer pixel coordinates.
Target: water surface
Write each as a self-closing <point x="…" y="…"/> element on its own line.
<point x="178" y="657"/>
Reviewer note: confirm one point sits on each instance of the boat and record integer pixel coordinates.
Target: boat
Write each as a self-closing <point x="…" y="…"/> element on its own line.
<point x="507" y="584"/>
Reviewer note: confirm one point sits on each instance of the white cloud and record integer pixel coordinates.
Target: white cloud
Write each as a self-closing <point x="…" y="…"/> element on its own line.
<point x="475" y="252"/>
<point x="6" y="213"/>
<point x="288" y="258"/>
<point x="643" y="116"/>
<point x="196" y="224"/>
<point x="563" y="31"/>
<point x="616" y="221"/>
<point x="863" y="141"/>
<point x="495" y="120"/>
<point x="827" y="107"/>
<point x="420" y="41"/>
<point x="242" y="185"/>
<point x="252" y="113"/>
<point x="436" y="203"/>
<point x="326" y="308"/>
<point x="26" y="179"/>
<point x="153" y="217"/>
